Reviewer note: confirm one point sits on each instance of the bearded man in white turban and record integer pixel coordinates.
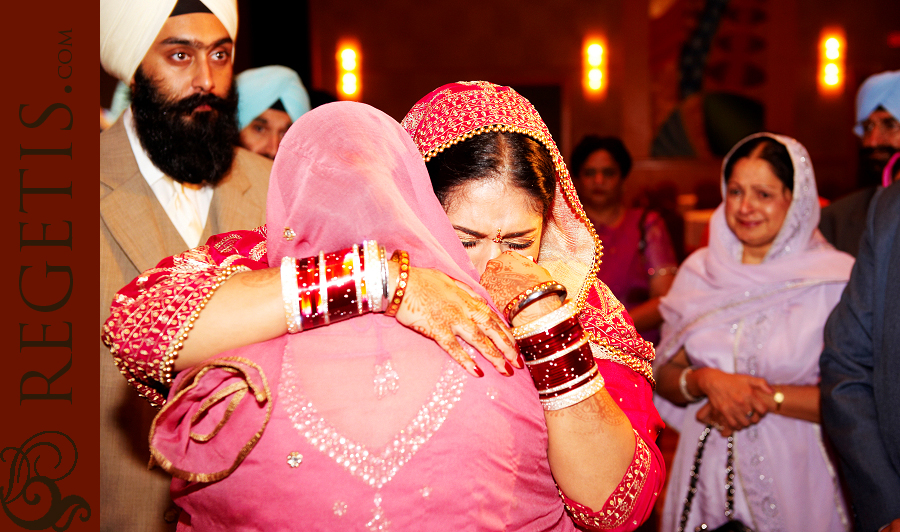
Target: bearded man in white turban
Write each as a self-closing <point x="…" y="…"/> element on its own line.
<point x="170" y="177"/>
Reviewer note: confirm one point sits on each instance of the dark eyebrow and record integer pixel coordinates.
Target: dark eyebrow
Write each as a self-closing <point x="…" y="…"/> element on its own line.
<point x="476" y="234"/>
<point x="194" y="43"/>
<point x="260" y="119"/>
<point x="470" y="232"/>
<point x="518" y="234"/>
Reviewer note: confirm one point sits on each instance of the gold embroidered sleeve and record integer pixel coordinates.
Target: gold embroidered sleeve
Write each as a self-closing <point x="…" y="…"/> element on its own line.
<point x="619" y="507"/>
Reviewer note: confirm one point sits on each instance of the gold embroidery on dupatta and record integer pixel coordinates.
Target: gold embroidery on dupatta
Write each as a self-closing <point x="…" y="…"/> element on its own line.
<point x="241" y="368"/>
<point x="498" y="110"/>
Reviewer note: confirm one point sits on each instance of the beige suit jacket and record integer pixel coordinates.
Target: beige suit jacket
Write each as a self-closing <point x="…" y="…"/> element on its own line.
<point x="135" y="234"/>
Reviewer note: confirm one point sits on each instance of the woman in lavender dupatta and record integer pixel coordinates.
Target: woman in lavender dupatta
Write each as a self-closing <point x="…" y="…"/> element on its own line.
<point x="740" y="347"/>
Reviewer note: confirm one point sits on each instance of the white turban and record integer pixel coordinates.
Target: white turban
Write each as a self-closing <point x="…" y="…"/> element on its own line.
<point x="129" y="27"/>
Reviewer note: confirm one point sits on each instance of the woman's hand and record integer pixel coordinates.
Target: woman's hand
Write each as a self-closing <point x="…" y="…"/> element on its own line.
<point x="509" y="275"/>
<point x="732" y="397"/>
<point x="437" y="306"/>
<point x="708" y="415"/>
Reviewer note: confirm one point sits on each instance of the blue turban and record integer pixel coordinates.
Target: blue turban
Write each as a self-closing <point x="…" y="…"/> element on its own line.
<point x="879" y="90"/>
<point x="260" y="88"/>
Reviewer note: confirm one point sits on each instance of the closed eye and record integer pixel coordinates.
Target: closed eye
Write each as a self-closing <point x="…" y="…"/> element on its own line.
<point x="515" y="245"/>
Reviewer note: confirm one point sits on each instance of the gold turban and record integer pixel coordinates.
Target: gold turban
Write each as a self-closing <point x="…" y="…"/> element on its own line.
<point x="129" y="27"/>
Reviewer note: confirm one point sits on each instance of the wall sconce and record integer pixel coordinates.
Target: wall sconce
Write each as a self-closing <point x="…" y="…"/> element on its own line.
<point x="832" y="49"/>
<point x="595" y="61"/>
<point x="349" y="82"/>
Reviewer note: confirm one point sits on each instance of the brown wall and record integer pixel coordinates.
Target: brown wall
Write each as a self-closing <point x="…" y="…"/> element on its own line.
<point x="409" y="48"/>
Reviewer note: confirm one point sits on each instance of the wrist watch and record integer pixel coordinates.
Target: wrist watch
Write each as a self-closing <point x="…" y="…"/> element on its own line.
<point x="778" y="398"/>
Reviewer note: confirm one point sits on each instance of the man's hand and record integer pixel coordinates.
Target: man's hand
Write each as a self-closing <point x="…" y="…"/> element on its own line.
<point x="443" y="309"/>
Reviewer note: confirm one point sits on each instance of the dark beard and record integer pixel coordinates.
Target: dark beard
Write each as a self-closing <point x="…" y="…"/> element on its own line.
<point x="871" y="164"/>
<point x="190" y="148"/>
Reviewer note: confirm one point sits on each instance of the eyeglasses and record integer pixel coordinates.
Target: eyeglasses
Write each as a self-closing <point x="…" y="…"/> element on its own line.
<point x="888" y="124"/>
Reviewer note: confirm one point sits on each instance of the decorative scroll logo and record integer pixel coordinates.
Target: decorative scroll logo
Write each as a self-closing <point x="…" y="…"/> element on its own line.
<point x="31" y="498"/>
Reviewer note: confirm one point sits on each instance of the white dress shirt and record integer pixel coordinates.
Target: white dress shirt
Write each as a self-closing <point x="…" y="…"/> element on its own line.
<point x="187" y="206"/>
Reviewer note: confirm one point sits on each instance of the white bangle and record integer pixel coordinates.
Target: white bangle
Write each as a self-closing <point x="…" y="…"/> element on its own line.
<point x="551" y="319"/>
<point x="682" y="385"/>
<point x="372" y="275"/>
<point x="385" y="296"/>
<point x="290" y="294"/>
<point x="577" y="395"/>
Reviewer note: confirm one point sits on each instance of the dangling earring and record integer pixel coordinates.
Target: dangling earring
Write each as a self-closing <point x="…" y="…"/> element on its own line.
<point x="497" y="239"/>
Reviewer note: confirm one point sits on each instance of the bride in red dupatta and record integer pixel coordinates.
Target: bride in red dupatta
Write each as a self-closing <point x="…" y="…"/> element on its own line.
<point x="571" y="252"/>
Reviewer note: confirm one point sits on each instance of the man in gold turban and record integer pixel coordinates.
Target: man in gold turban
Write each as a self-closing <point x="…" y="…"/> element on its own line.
<point x="170" y="177"/>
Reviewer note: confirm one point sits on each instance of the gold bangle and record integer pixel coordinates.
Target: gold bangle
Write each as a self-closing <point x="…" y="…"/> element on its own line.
<point x="531" y="295"/>
<point x="400" y="290"/>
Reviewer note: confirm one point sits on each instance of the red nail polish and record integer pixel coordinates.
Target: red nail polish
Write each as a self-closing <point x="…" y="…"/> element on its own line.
<point x="478" y="371"/>
<point x="508" y="368"/>
<point x="521" y="361"/>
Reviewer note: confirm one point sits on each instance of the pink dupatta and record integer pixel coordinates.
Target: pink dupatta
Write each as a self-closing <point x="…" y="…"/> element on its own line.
<point x="294" y="433"/>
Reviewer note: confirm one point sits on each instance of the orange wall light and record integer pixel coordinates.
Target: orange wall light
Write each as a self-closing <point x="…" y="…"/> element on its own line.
<point x="595" y="61"/>
<point x="832" y="50"/>
<point x="349" y="81"/>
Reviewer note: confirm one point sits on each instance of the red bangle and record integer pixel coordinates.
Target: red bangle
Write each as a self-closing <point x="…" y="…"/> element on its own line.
<point x="400" y="290"/>
<point x="551" y="340"/>
<point x="308" y="284"/>
<point x="562" y="370"/>
<point x="561" y="363"/>
<point x="329" y="287"/>
<point x="341" y="285"/>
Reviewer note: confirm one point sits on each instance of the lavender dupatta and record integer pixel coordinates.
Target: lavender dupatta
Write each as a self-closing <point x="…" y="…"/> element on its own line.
<point x="765" y="320"/>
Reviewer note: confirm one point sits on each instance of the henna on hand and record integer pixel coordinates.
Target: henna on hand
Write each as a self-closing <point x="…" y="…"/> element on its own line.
<point x="434" y="306"/>
<point x="509" y="275"/>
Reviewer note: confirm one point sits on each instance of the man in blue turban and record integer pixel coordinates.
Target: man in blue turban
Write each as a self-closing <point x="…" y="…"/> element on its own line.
<point x="877" y="125"/>
<point x="270" y="99"/>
